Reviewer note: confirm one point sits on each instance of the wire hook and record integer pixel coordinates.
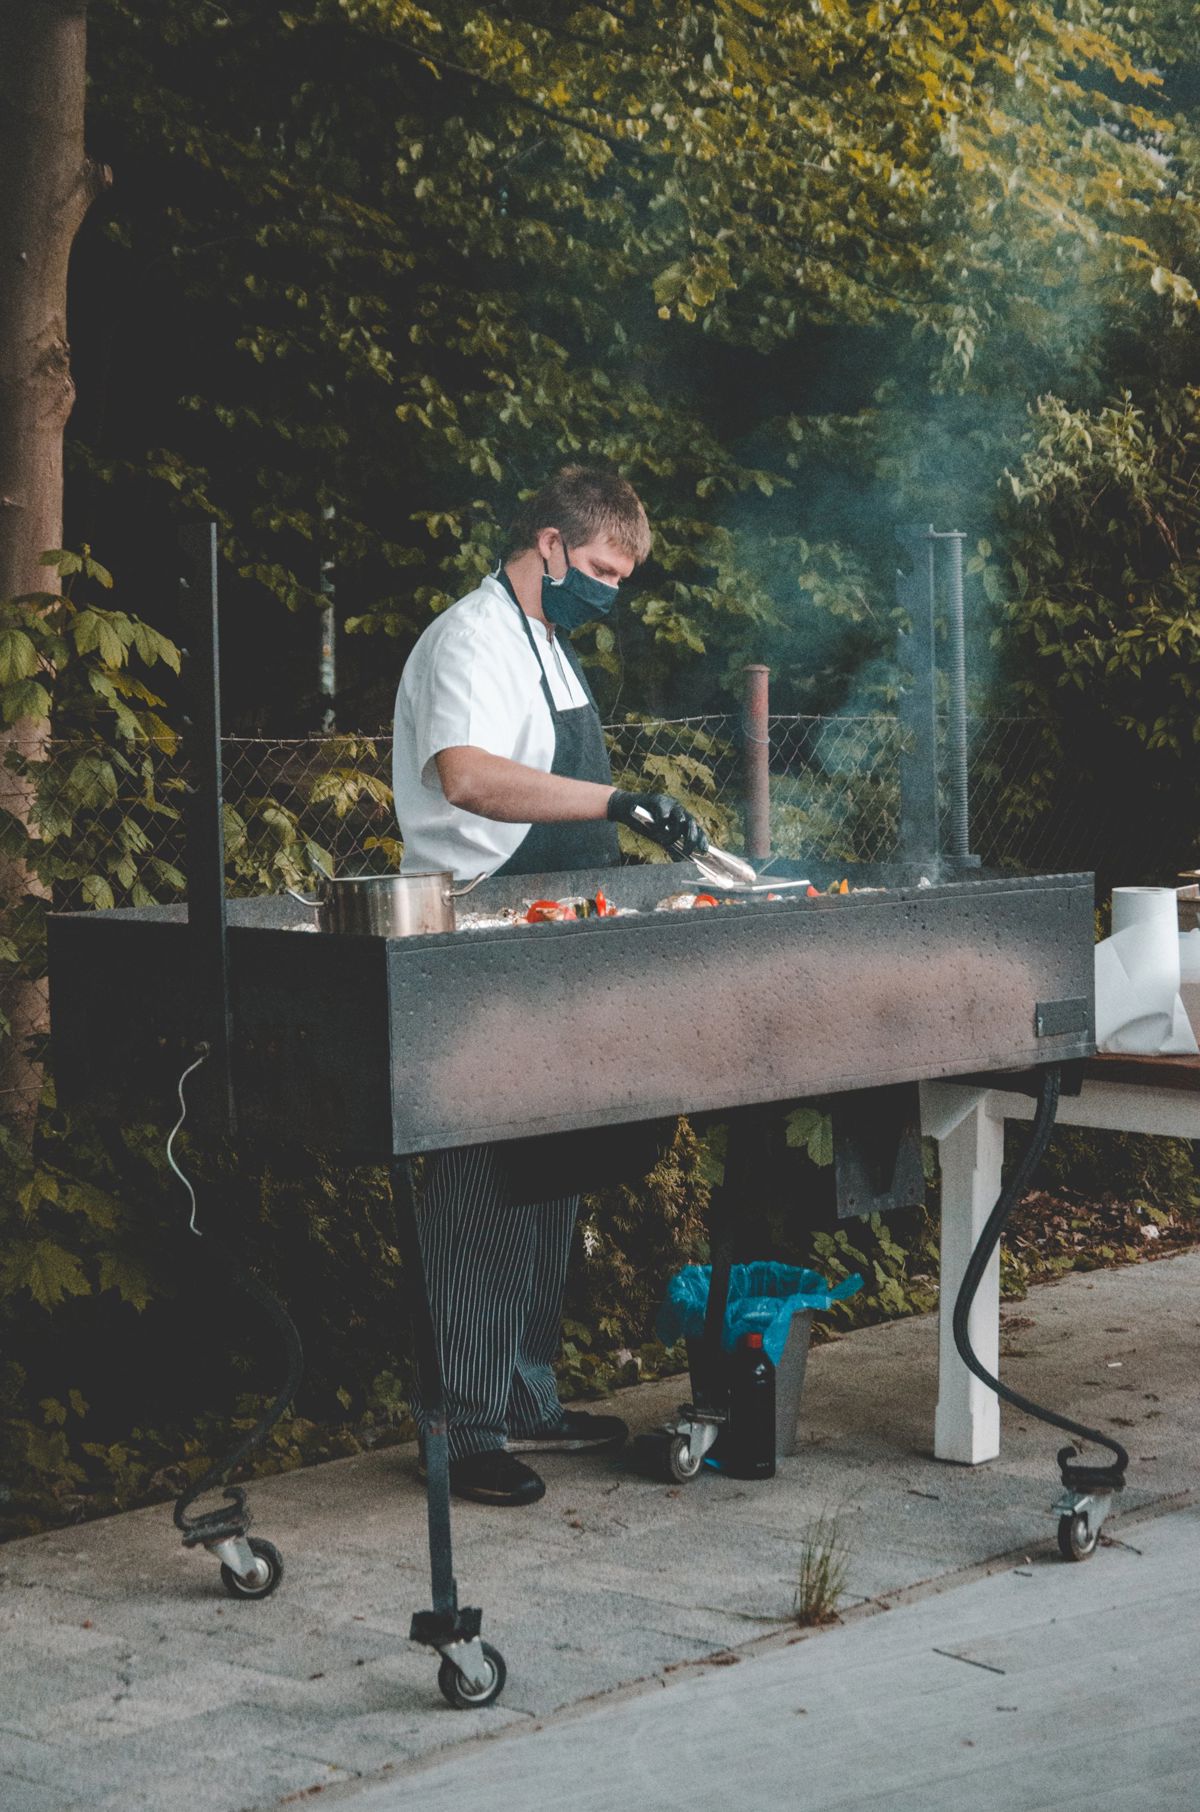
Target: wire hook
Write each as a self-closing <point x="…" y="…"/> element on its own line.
<point x="203" y="1050"/>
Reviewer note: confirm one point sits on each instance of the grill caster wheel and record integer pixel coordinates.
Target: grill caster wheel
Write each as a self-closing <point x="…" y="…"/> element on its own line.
<point x="684" y="1460"/>
<point x="457" y="1691"/>
<point x="672" y="1456"/>
<point x="1077" y="1538"/>
<point x="272" y="1559"/>
<point x="664" y="1457"/>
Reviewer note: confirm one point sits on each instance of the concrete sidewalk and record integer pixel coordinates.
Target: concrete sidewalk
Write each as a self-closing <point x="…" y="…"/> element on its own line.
<point x="1038" y="1689"/>
<point x="129" y="1680"/>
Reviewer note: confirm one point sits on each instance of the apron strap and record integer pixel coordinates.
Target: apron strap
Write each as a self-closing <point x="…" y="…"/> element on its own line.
<point x="572" y="658"/>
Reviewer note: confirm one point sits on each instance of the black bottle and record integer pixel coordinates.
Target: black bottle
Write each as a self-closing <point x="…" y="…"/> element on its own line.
<point x="748" y="1450"/>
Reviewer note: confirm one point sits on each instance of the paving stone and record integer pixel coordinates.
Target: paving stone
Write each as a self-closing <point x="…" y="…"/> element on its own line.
<point x="88" y="1709"/>
<point x="217" y="1784"/>
<point x="376" y="1742"/>
<point x="18" y="1795"/>
<point x="71" y="1772"/>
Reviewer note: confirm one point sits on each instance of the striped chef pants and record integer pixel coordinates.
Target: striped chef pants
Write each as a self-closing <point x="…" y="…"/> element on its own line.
<point x="495" y="1271"/>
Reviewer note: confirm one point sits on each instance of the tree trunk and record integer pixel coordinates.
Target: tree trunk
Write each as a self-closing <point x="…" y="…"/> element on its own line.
<point x="48" y="186"/>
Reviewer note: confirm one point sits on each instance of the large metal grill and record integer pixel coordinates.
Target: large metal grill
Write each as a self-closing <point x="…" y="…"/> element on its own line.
<point x="411" y="1044"/>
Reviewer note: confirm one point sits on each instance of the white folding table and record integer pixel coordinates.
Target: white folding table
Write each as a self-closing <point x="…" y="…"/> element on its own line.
<point x="1158" y="1095"/>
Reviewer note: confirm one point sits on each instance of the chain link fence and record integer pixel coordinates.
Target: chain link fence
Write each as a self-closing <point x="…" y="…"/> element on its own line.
<point x="295" y="808"/>
<point x="834" y="788"/>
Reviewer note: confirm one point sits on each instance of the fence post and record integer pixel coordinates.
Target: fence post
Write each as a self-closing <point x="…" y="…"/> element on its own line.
<point x="756" y="768"/>
<point x="327" y="586"/>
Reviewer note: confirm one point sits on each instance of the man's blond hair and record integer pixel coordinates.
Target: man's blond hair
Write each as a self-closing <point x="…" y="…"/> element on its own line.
<point x="584" y="503"/>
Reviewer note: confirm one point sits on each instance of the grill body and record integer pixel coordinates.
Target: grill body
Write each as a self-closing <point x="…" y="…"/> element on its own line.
<point x="401" y="1045"/>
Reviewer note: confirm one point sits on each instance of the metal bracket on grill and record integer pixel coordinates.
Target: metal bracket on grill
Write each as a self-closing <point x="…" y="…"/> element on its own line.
<point x="437" y="1629"/>
<point x="877" y="1150"/>
<point x="1052" y="1017"/>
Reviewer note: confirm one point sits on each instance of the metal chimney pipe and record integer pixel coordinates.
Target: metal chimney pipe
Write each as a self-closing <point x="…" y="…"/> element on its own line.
<point x="956" y="753"/>
<point x="917" y="704"/>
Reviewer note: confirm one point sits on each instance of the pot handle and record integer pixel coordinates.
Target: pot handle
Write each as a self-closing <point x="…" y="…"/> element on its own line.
<point x="302" y="897"/>
<point x="456" y="893"/>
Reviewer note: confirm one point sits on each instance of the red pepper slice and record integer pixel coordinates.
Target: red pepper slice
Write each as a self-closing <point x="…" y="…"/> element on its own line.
<point x="704" y="899"/>
<point x="604" y="907"/>
<point x="541" y="911"/>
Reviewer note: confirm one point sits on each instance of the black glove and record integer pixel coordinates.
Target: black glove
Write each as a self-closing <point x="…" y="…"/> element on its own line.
<point x="662" y="819"/>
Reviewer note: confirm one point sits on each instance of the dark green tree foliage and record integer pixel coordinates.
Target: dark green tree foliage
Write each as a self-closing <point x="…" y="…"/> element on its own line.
<point x="1099" y="578"/>
<point x="369" y="268"/>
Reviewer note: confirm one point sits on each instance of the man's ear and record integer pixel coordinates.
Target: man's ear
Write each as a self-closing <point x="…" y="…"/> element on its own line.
<point x="548" y="543"/>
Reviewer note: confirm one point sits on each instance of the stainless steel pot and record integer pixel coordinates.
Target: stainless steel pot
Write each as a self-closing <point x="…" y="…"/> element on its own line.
<point x="386" y="905"/>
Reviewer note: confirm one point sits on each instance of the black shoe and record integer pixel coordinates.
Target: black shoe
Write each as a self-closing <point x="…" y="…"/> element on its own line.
<point x="574" y="1432"/>
<point x="491" y="1477"/>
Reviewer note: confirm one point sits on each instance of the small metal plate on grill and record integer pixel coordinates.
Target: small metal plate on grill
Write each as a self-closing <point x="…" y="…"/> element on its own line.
<point x="1052" y="1017"/>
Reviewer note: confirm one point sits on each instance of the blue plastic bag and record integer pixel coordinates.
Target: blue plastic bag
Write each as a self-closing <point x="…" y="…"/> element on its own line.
<point x="762" y="1299"/>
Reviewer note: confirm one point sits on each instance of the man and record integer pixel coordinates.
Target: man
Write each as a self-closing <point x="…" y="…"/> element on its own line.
<point x="500" y="766"/>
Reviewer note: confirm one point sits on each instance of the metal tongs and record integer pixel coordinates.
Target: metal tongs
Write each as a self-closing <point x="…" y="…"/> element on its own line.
<point x="724" y="870"/>
<point x="721" y="869"/>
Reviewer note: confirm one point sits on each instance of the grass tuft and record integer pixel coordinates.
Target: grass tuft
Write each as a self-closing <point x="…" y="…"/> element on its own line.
<point x="824" y="1559"/>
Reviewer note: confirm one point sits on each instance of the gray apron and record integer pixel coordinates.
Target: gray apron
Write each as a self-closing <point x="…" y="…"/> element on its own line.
<point x="580" y="753"/>
<point x="561" y="1164"/>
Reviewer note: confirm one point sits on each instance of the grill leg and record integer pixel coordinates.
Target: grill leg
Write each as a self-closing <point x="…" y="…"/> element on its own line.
<point x="454" y="1632"/>
<point x="709" y="1382"/>
<point x="736" y="1216"/>
<point x="967" y="1422"/>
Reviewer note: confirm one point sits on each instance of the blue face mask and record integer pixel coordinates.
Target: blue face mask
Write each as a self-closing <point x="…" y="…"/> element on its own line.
<point x="576" y="598"/>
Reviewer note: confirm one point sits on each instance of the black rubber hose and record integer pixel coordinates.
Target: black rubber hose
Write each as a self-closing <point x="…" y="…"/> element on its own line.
<point x="1074" y="1478"/>
<point x="208" y="1526"/>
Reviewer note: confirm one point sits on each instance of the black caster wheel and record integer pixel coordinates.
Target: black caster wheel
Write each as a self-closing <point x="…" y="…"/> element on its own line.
<point x="261" y="1550"/>
<point x="683" y="1459"/>
<point x="1076" y="1539"/>
<point x="464" y="1697"/>
<point x="671" y="1459"/>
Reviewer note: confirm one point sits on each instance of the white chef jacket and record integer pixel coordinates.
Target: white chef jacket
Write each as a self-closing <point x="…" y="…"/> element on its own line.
<point x="472" y="678"/>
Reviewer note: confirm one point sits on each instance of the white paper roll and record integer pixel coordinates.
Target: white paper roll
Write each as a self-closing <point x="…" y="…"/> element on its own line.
<point x="1137" y="976"/>
<point x="1153" y="912"/>
<point x="1144" y="905"/>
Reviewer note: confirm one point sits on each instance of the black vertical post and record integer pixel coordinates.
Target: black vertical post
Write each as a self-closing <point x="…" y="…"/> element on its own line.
<point x="444" y="1619"/>
<point x="919" y="839"/>
<point x="205" y="817"/>
<point x="737" y="1234"/>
